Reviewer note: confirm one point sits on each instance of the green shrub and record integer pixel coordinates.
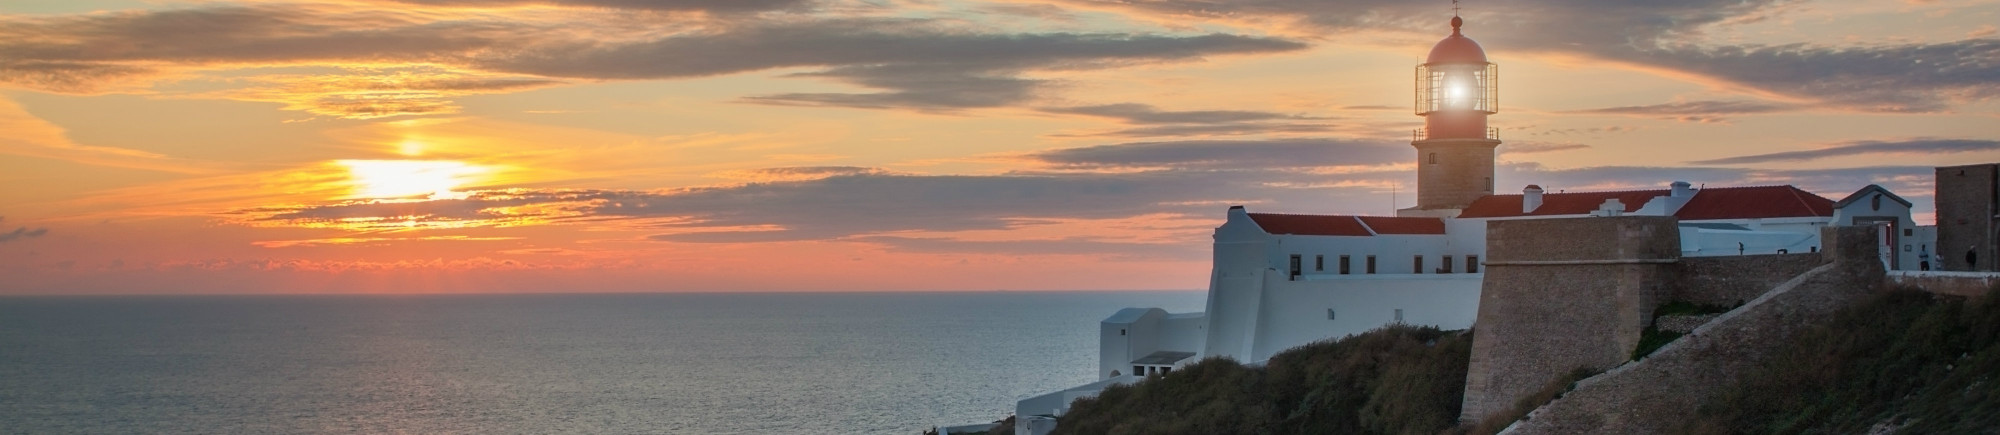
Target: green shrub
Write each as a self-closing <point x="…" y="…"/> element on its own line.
<point x="1394" y="380"/>
<point x="1930" y="364"/>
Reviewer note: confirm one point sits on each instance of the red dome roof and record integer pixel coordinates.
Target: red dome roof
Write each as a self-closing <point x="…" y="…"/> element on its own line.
<point x="1456" y="48"/>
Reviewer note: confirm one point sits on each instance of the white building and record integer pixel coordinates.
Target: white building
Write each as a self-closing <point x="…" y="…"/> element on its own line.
<point x="1283" y="280"/>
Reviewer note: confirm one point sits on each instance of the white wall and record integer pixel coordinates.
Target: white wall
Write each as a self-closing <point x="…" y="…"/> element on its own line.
<point x="1119" y="341"/>
<point x="1920" y="247"/>
<point x="1294" y="312"/>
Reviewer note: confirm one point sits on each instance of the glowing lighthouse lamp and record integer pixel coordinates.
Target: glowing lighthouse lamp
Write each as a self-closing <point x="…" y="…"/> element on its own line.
<point x="1456" y="89"/>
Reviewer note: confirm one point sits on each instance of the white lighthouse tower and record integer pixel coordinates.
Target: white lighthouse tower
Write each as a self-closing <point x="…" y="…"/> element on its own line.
<point x="1456" y="89"/>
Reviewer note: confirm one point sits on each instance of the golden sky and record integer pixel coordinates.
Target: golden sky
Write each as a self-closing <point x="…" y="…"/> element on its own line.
<point x="160" y="146"/>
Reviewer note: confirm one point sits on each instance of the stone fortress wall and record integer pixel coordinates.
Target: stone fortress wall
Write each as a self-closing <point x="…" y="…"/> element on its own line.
<point x="1567" y="294"/>
<point x="1734" y="280"/>
<point x="1967" y="198"/>
<point x="1561" y="294"/>
<point x="1653" y="395"/>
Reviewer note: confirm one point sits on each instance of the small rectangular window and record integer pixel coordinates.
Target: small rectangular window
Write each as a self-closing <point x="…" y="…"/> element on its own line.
<point x="1419" y="266"/>
<point x="1329" y="314"/>
<point x="1471" y="264"/>
<point x="1295" y="266"/>
<point x="1445" y="266"/>
<point x="1371" y="265"/>
<point x="1319" y="263"/>
<point x="1909" y="232"/>
<point x="1139" y="370"/>
<point x="1345" y="267"/>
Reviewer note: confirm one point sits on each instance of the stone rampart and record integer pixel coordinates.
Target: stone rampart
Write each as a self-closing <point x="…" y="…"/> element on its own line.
<point x="1653" y="394"/>
<point x="1967" y="284"/>
<point x="1732" y="280"/>
<point x="1560" y="294"/>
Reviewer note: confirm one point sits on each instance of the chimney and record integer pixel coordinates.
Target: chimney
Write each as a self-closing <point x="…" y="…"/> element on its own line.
<point x="1681" y="190"/>
<point x="1531" y="199"/>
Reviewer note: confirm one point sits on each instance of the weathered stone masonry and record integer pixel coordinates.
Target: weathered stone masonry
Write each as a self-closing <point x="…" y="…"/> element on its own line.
<point x="1561" y="294"/>
<point x="1577" y="293"/>
<point x="1654" y="394"/>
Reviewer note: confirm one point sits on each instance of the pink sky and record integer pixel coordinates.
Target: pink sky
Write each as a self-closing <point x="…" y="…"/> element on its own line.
<point x="803" y="145"/>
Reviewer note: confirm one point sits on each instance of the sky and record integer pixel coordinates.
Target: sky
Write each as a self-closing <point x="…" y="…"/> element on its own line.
<point x="422" y="146"/>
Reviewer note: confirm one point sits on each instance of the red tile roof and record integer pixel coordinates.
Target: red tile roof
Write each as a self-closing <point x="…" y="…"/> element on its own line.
<point x="1754" y="202"/>
<point x="1556" y="204"/>
<point x="1310" y="225"/>
<point x="1708" y="203"/>
<point x="1403" y="225"/>
<point x="1338" y="225"/>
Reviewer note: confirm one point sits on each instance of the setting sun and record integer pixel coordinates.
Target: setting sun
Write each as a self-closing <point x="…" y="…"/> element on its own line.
<point x="405" y="178"/>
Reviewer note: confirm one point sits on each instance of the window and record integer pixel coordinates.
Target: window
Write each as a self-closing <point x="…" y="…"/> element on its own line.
<point x="1909" y="232"/>
<point x="1876" y="202"/>
<point x="1371" y="265"/>
<point x="1489" y="184"/>
<point x="1319" y="263"/>
<point x="1164" y="370"/>
<point x="1434" y="158"/>
<point x="1419" y="267"/>
<point x="1121" y="332"/>
<point x="1445" y="266"/>
<point x="1329" y="314"/>
<point x="1139" y="370"/>
<point x="1471" y="264"/>
<point x="1344" y="268"/>
<point x="1295" y="266"/>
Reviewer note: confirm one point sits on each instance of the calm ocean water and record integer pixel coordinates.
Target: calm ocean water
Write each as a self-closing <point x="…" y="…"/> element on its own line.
<point x="893" y="363"/>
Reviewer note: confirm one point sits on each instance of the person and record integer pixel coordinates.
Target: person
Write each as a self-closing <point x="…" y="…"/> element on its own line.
<point x="1924" y="258"/>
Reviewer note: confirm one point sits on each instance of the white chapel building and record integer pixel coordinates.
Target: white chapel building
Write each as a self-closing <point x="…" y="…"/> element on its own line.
<point x="1284" y="280"/>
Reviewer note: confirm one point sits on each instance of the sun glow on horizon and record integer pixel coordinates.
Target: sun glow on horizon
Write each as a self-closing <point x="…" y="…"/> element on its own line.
<point x="406" y="178"/>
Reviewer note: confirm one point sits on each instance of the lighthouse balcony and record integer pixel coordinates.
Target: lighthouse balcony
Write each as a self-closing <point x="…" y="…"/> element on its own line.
<point x="1425" y="134"/>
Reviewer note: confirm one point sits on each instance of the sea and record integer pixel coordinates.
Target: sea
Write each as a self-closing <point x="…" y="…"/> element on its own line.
<point x="669" y="363"/>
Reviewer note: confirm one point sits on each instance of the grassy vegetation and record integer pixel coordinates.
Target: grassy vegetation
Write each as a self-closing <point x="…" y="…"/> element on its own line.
<point x="1927" y="364"/>
<point x="1653" y="339"/>
<point x="1395" y="380"/>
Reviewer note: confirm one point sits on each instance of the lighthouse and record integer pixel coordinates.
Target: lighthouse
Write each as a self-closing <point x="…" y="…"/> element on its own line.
<point x="1456" y="89"/>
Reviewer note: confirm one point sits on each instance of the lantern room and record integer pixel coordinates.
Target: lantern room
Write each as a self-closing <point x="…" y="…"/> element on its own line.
<point x="1457" y="87"/>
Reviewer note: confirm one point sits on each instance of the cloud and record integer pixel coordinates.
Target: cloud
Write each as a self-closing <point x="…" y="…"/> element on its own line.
<point x="1230" y="154"/>
<point x="1664" y="35"/>
<point x="370" y="241"/>
<point x="366" y="93"/>
<point x="653" y="5"/>
<point x="923" y="64"/>
<point x="1533" y="147"/>
<point x="1694" y="111"/>
<point x="1182" y="180"/>
<point x="28" y="135"/>
<point x="1133" y="113"/>
<point x="22" y="233"/>
<point x="1158" y="123"/>
<point x="830" y="203"/>
<point x="1064" y="246"/>
<point x="797" y="173"/>
<point x="1906" y="147"/>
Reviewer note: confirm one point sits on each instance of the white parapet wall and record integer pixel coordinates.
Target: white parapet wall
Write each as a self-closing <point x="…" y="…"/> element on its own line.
<point x="1036" y="415"/>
